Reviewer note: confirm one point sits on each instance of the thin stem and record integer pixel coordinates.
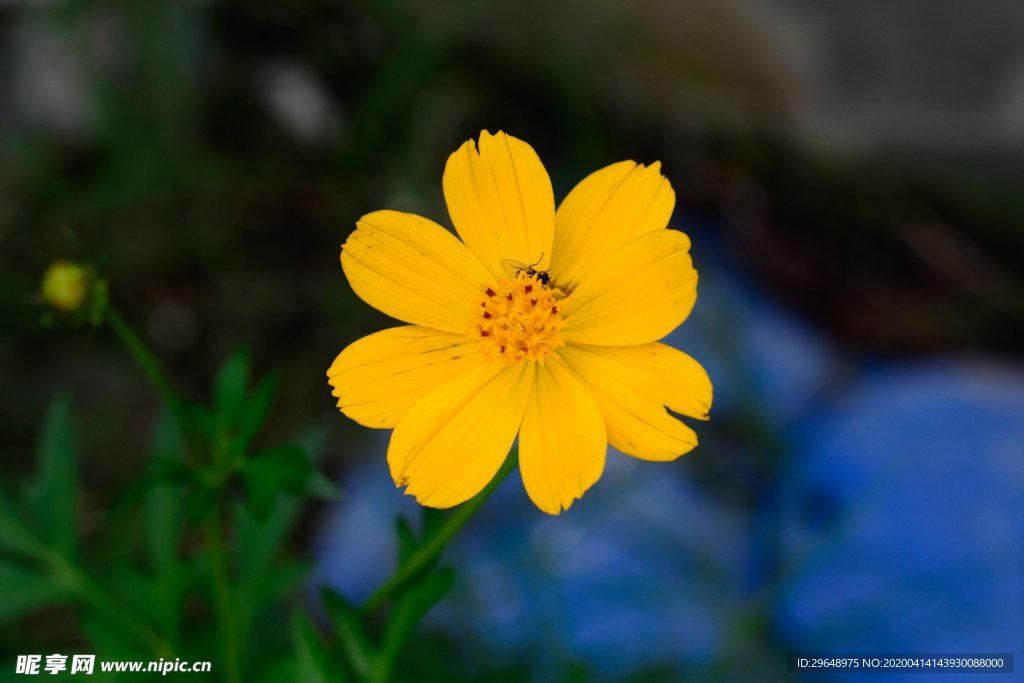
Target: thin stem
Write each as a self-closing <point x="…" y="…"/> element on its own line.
<point x="214" y="533"/>
<point x="428" y="552"/>
<point x="151" y="367"/>
<point x="223" y="599"/>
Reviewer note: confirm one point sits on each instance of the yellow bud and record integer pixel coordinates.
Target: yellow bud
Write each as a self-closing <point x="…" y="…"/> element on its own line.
<point x="65" y="286"/>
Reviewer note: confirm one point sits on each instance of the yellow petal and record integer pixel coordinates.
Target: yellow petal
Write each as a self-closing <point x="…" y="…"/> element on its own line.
<point x="638" y="294"/>
<point x="452" y="442"/>
<point x="562" y="442"/>
<point x="500" y="201"/>
<point x="633" y="384"/>
<point x="606" y="210"/>
<point x="413" y="269"/>
<point x="377" y="378"/>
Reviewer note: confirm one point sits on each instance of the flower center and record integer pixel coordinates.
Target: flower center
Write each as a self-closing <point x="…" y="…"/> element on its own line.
<point x="518" y="320"/>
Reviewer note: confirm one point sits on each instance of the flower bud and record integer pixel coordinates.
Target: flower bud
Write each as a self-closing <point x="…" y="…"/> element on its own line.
<point x="66" y="286"/>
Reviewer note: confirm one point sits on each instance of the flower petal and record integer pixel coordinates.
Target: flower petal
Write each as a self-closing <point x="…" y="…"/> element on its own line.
<point x="413" y="269"/>
<point x="453" y="440"/>
<point x="638" y="294"/>
<point x="377" y="378"/>
<point x="633" y="384"/>
<point x="500" y="201"/>
<point x="562" y="442"/>
<point x="609" y="208"/>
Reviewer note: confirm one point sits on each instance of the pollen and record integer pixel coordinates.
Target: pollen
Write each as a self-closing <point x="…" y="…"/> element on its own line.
<point x="518" y="319"/>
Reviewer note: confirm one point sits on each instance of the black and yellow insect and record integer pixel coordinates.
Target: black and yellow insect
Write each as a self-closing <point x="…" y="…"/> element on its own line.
<point x="513" y="267"/>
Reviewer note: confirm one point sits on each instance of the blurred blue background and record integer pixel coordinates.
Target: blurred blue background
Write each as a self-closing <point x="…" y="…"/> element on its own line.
<point x="849" y="174"/>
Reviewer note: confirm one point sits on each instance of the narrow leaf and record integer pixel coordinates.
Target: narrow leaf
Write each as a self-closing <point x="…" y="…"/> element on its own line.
<point x="282" y="469"/>
<point x="25" y="591"/>
<point x="230" y="387"/>
<point x="162" y="508"/>
<point x="320" y="486"/>
<point x="255" y="410"/>
<point x="312" y="660"/>
<point x="203" y="420"/>
<point x="409" y="610"/>
<point x="351" y="636"/>
<point x="258" y="539"/>
<point x="53" y="495"/>
<point x="15" y="536"/>
<point x="200" y="501"/>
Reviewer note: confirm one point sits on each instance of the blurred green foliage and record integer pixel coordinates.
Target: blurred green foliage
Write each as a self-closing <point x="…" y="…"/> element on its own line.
<point x="203" y="575"/>
<point x="153" y="597"/>
<point x="156" y="600"/>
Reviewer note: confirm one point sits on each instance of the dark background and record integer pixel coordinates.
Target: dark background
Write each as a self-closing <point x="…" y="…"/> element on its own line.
<point x="851" y="175"/>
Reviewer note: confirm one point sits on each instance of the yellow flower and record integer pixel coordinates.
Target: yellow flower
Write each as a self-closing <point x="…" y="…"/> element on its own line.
<point x="539" y="322"/>
<point x="65" y="286"/>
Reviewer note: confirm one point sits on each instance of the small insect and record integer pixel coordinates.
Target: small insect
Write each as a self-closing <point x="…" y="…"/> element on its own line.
<point x="513" y="267"/>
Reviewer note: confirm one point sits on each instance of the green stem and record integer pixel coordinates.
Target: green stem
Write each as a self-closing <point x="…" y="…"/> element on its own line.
<point x="214" y="541"/>
<point x="223" y="599"/>
<point x="428" y="552"/>
<point x="151" y="367"/>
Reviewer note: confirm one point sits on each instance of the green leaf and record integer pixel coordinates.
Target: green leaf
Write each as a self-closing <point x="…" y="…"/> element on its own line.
<point x="409" y="610"/>
<point x="109" y="638"/>
<point x="255" y="411"/>
<point x="351" y="636"/>
<point x="135" y="590"/>
<point x="259" y="539"/>
<point x="312" y="443"/>
<point x="320" y="486"/>
<point x="162" y="509"/>
<point x="277" y="670"/>
<point x="279" y="469"/>
<point x="230" y="388"/>
<point x="15" y="536"/>
<point x="202" y="420"/>
<point x="162" y="515"/>
<point x="283" y="469"/>
<point x="262" y="577"/>
<point x="264" y="589"/>
<point x="313" y="661"/>
<point x="53" y="496"/>
<point x="200" y="501"/>
<point x="170" y="470"/>
<point x="25" y="591"/>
